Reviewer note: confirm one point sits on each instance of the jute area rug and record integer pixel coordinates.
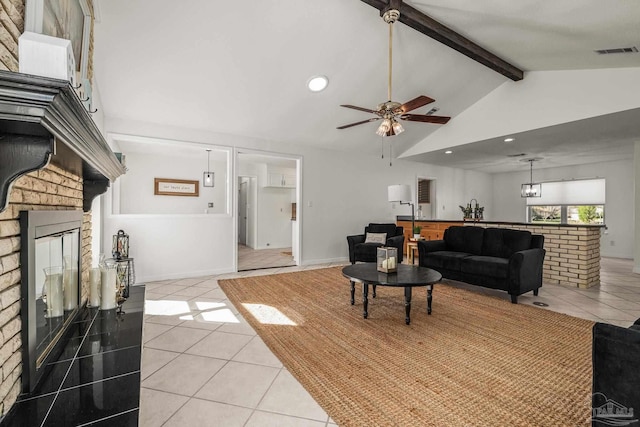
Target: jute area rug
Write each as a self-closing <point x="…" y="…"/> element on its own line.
<point x="476" y="361"/>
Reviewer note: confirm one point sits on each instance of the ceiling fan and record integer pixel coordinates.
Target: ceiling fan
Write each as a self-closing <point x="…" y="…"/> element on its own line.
<point x="390" y="112"/>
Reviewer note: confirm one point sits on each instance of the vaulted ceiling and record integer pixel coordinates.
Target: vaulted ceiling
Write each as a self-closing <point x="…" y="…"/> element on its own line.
<point x="242" y="67"/>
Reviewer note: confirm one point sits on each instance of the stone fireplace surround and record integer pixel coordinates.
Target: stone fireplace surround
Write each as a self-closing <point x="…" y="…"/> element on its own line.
<point x="52" y="157"/>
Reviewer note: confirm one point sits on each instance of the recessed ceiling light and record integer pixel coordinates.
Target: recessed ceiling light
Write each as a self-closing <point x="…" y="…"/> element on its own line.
<point x="317" y="83"/>
<point x="509" y="139"/>
<point x="448" y="152"/>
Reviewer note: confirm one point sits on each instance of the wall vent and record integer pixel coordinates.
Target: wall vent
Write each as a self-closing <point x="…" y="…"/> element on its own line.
<point x="631" y="49"/>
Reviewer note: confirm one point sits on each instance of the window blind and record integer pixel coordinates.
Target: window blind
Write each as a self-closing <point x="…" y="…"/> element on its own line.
<point x="578" y="192"/>
<point x="424" y="191"/>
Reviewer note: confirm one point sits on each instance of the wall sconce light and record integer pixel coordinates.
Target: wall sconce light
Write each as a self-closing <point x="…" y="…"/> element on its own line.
<point x="531" y="189"/>
<point x="207" y="177"/>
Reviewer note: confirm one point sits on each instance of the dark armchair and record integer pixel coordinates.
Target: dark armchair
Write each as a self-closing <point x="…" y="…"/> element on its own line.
<point x="366" y="252"/>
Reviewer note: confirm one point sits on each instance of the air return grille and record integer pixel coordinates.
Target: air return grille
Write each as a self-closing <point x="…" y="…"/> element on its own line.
<point x="631" y="49"/>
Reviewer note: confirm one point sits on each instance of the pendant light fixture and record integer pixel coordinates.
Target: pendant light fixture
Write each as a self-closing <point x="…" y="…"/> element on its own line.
<point x="531" y="189"/>
<point x="207" y="177"/>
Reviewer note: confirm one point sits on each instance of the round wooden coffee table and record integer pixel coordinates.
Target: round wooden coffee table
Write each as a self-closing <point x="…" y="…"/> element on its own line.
<point x="407" y="277"/>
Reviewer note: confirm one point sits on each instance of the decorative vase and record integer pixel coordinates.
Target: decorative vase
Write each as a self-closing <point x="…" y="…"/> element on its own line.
<point x="70" y="284"/>
<point x="52" y="292"/>
<point x="94" y="287"/>
<point x="108" y="286"/>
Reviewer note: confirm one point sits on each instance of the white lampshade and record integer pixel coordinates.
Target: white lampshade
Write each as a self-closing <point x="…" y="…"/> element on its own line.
<point x="399" y="193"/>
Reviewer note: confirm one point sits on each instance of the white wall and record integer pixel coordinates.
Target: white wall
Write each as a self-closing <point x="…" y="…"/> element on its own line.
<point x="175" y="246"/>
<point x="619" y="209"/>
<point x="541" y="99"/>
<point x="136" y="186"/>
<point x="341" y="193"/>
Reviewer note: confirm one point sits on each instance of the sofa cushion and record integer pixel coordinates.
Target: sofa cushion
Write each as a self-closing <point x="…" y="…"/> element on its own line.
<point x="485" y="266"/>
<point x="366" y="252"/>
<point x="500" y="242"/>
<point x="464" y="239"/>
<point x="390" y="229"/>
<point x="376" y="238"/>
<point x="447" y="260"/>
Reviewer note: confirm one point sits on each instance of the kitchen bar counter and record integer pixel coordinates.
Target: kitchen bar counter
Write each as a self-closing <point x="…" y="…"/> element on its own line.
<point x="471" y="222"/>
<point x="573" y="251"/>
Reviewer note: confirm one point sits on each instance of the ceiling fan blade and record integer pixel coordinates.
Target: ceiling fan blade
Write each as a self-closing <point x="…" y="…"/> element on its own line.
<point x="418" y="102"/>
<point x="426" y="119"/>
<point x="373" y="119"/>
<point x="367" y="110"/>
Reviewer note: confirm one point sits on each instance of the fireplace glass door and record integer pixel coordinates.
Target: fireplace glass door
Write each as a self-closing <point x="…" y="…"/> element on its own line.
<point x="51" y="266"/>
<point x="56" y="290"/>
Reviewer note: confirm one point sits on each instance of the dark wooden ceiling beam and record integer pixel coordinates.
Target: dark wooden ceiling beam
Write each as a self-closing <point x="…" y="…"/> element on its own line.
<point x="437" y="31"/>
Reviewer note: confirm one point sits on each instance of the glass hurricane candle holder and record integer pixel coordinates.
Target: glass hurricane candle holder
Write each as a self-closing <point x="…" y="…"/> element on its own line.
<point x="387" y="259"/>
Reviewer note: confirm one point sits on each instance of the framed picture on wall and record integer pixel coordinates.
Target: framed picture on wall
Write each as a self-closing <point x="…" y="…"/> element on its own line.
<point x="65" y="19"/>
<point x="176" y="187"/>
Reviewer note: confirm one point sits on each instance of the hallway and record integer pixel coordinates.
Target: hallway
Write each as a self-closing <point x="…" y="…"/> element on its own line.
<point x="250" y="259"/>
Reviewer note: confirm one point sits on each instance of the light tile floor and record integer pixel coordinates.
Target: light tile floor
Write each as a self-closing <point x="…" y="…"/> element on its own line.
<point x="204" y="365"/>
<point x="252" y="259"/>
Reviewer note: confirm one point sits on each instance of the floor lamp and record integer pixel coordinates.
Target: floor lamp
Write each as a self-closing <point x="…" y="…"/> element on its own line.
<point x="401" y="193"/>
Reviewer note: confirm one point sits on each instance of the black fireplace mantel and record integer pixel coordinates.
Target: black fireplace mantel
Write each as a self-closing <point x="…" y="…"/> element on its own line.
<point x="43" y="120"/>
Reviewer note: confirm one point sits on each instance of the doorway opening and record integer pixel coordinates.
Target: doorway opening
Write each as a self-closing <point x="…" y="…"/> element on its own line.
<point x="267" y="211"/>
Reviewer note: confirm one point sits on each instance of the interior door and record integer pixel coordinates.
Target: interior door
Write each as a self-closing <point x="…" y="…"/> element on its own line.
<point x="243" y="194"/>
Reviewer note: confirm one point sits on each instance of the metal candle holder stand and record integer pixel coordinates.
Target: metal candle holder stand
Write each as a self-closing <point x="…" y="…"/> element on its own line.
<point x="125" y="274"/>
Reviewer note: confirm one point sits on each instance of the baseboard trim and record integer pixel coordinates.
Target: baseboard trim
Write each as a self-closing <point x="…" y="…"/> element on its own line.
<point x="183" y="275"/>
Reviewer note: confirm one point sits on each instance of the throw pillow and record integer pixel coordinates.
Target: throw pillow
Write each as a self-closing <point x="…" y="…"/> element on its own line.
<point x="376" y="238"/>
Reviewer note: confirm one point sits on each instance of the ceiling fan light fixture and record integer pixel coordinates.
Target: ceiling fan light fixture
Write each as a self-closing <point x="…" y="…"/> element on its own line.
<point x="397" y="127"/>
<point x="384" y="127"/>
<point x="390" y="111"/>
<point x="318" y="83"/>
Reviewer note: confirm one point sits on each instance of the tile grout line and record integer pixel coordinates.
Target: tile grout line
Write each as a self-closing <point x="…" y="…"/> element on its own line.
<point x="55" y="398"/>
<point x="107" y="418"/>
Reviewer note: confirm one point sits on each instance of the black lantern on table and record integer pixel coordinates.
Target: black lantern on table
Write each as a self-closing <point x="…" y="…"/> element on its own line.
<point x="120" y="247"/>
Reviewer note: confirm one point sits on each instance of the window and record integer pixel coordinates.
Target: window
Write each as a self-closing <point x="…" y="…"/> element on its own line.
<point x="424" y="191"/>
<point x="545" y="214"/>
<point x="585" y="214"/>
<point x="566" y="214"/>
<point x="569" y="202"/>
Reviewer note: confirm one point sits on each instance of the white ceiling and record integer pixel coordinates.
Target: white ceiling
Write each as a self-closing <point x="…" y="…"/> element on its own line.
<point x="242" y="67"/>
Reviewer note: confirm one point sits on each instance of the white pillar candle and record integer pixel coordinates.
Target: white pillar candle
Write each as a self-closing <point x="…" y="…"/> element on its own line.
<point x="108" y="285"/>
<point x="53" y="291"/>
<point x="70" y="288"/>
<point x="392" y="263"/>
<point x="94" y="287"/>
<point x="385" y="263"/>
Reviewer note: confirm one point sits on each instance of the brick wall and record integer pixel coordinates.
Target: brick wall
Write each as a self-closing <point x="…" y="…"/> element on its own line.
<point x="11" y="26"/>
<point x="573" y="253"/>
<point x="51" y="188"/>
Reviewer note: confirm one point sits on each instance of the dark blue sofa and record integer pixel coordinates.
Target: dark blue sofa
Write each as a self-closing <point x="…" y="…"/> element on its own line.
<point x="498" y="258"/>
